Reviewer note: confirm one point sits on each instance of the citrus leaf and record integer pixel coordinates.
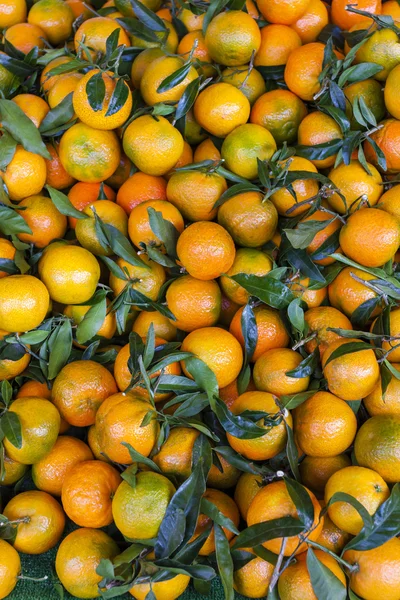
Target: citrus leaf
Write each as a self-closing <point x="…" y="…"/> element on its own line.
<point x="325" y="584"/>
<point x="174" y="79"/>
<point x="211" y="510"/>
<point x="307" y="366"/>
<point x="96" y="91"/>
<point x="63" y="204"/>
<point x="224" y="561"/>
<point x="385" y="524"/>
<point x="15" y="121"/>
<point x="11" y="427"/>
<point x="59" y="116"/>
<point x="187" y="99"/>
<point x="267" y="289"/>
<point x="268" y="530"/>
<point x="302" y="500"/>
<point x="303" y="235"/>
<point x="180" y="520"/>
<point x="147" y="16"/>
<point x="11" y="222"/>
<point x="234" y="190"/>
<point x="348" y="348"/>
<point x="7" y="150"/>
<point x="118" y="98"/>
<point x="296" y="315"/>
<point x="92" y="321"/>
<point x="60" y="344"/>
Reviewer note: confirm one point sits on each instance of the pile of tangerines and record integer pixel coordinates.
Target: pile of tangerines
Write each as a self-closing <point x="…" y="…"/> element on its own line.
<point x="200" y="297"/>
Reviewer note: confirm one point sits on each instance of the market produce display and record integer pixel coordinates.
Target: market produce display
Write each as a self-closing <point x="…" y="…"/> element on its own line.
<point x="200" y="299"/>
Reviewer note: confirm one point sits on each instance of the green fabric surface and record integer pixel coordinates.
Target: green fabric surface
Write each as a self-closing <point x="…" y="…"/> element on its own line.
<point x="43" y="564"/>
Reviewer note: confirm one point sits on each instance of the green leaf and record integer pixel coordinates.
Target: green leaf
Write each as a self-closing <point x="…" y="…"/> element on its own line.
<point x="60" y="345"/>
<point x="267" y="289"/>
<point x="59" y="116"/>
<point x="292" y="401"/>
<point x="164" y="230"/>
<point x="11" y="222"/>
<point x="118" y="98"/>
<point x="234" y="190"/>
<point x="292" y="452"/>
<point x="202" y="375"/>
<point x="34" y="337"/>
<point x="320" y="151"/>
<point x="362" y="511"/>
<point x="7" y="150"/>
<point x="296" y="315"/>
<point x="187" y="99"/>
<point x="307" y="366"/>
<point x="211" y="510"/>
<point x="63" y="204"/>
<point x="249" y="331"/>
<point x="362" y="314"/>
<point x="96" y="91"/>
<point x="348" y="348"/>
<point x="11" y="427"/>
<point x="179" y="522"/>
<point x="359" y="73"/>
<point x="139" y="458"/>
<point x="385" y="524"/>
<point x="224" y="561"/>
<point x="21" y="128"/>
<point x="304" y="233"/>
<point x="148" y="17"/>
<point x="92" y="321"/>
<point x="268" y="530"/>
<point x="325" y="584"/>
<point x="6" y="393"/>
<point x="8" y="266"/>
<point x="174" y="79"/>
<point x="302" y="500"/>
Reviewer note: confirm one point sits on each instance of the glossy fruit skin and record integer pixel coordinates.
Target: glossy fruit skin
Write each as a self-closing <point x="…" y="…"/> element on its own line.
<point x="46" y="521"/>
<point x="253" y="579"/>
<point x="365" y="485"/>
<point x="40" y="424"/>
<point x="119" y="420"/>
<point x="220" y="108"/>
<point x="272" y="502"/>
<point x="49" y="473"/>
<point x="244" y="145"/>
<point x="79" y="389"/>
<point x="25" y="175"/>
<point x="270" y="444"/>
<point x="162" y="590"/>
<point x="232" y="37"/>
<point x="350" y="376"/>
<point x="295" y="582"/>
<point x="328" y="418"/>
<point x="377" y="446"/>
<point x="194" y="303"/>
<point x="70" y="273"/>
<point x="10" y="568"/>
<point x="281" y="112"/>
<point x="270" y="372"/>
<point x="370" y="236"/>
<point x="151" y="497"/>
<point x="100" y="119"/>
<point x="153" y="146"/>
<point x="219" y="349"/>
<point x="195" y="193"/>
<point x="201" y="243"/>
<point x="89" y="154"/>
<point x="25" y="302"/>
<point x="378" y="570"/>
<point x="87" y="492"/>
<point x="250" y="221"/>
<point x="78" y="557"/>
